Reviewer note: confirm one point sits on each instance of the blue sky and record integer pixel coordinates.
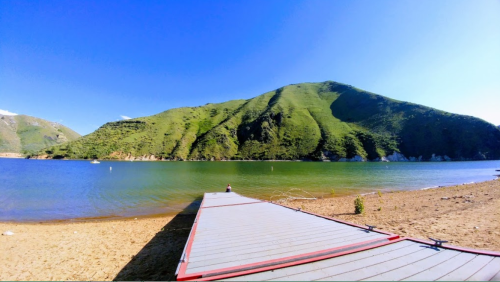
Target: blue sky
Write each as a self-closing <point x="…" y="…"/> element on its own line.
<point x="85" y="63"/>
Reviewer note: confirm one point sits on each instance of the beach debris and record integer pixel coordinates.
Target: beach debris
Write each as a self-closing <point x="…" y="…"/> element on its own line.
<point x="74" y="232"/>
<point x="445" y="198"/>
<point x="135" y="218"/>
<point x="475" y="227"/>
<point x="8" y="233"/>
<point x="281" y="197"/>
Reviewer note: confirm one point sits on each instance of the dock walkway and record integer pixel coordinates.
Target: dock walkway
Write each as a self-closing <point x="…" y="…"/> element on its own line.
<point x="245" y="239"/>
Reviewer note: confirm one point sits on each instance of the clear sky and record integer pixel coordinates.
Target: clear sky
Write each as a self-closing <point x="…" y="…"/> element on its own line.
<point x="85" y="63"/>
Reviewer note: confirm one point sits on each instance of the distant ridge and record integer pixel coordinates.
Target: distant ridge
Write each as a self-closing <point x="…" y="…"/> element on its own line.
<point x="24" y="135"/>
<point x="307" y="121"/>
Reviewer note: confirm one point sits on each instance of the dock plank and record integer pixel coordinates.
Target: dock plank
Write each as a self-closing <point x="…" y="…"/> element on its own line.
<point x="257" y="240"/>
<point x="487" y="272"/>
<point x="301" y="272"/>
<point x="220" y="199"/>
<point x="269" y="254"/>
<point x="435" y="269"/>
<point x="350" y="264"/>
<point x="467" y="270"/>
<point x="232" y="235"/>
<point x="269" y="243"/>
<point x="360" y="270"/>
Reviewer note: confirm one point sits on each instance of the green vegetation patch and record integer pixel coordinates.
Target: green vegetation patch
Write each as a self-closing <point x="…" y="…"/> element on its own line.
<point x="309" y="121"/>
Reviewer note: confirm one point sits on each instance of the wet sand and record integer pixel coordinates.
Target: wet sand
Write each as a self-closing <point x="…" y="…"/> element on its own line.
<point x="150" y="248"/>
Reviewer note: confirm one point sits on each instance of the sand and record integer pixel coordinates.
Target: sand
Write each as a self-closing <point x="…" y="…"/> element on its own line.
<point x="11" y="155"/>
<point x="150" y="248"/>
<point x="465" y="215"/>
<point x="103" y="250"/>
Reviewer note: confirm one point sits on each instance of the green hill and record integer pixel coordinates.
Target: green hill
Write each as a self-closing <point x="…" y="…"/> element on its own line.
<point x="314" y="121"/>
<point x="26" y="135"/>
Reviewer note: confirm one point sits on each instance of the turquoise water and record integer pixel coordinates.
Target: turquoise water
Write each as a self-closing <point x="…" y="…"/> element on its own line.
<point x="39" y="190"/>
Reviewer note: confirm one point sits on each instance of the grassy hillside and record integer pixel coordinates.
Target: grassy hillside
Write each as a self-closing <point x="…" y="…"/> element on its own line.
<point x="315" y="121"/>
<point x="27" y="135"/>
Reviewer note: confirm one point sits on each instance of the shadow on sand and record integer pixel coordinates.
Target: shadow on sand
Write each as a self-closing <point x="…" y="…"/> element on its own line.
<point x="159" y="258"/>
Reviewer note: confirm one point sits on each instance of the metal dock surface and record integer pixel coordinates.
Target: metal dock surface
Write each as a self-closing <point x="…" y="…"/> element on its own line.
<point x="240" y="238"/>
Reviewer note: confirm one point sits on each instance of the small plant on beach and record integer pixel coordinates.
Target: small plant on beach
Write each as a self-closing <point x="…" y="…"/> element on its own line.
<point x="379" y="193"/>
<point x="332" y="192"/>
<point x="395" y="207"/>
<point x="379" y="209"/>
<point x="359" y="205"/>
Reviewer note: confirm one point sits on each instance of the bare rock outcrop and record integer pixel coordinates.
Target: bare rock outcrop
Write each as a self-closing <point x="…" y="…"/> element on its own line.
<point x="414" y="159"/>
<point x="396" y="157"/>
<point x="356" y="158"/>
<point x="328" y="156"/>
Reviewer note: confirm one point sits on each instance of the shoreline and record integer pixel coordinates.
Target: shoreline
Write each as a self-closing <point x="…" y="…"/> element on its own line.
<point x="105" y="218"/>
<point x="20" y="156"/>
<point x="149" y="248"/>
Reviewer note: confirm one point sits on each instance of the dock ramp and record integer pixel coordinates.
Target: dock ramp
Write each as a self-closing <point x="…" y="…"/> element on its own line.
<point x="241" y="238"/>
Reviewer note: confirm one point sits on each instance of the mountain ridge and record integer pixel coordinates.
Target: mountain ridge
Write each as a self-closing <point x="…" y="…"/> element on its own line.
<point x="308" y="121"/>
<point x="24" y="135"/>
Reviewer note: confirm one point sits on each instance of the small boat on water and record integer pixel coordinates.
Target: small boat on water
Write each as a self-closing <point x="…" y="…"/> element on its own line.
<point x="95" y="162"/>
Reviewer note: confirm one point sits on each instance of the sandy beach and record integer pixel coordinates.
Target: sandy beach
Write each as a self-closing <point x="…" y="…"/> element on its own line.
<point x="149" y="248"/>
<point x="129" y="249"/>
<point x="11" y="155"/>
<point x="465" y="215"/>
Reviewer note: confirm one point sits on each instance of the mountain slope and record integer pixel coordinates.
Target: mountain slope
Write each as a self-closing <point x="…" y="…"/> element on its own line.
<point x="24" y="134"/>
<point x="325" y="120"/>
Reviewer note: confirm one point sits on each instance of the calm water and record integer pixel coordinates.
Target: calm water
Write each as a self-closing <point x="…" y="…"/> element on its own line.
<point x="36" y="190"/>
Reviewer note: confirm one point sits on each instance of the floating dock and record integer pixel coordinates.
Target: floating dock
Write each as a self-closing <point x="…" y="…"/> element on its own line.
<point x="245" y="239"/>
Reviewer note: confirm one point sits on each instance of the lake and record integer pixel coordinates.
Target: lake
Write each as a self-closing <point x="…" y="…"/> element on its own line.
<point x="41" y="190"/>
